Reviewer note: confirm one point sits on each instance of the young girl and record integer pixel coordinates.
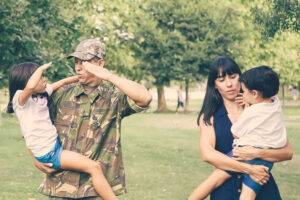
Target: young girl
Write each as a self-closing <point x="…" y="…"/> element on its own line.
<point x="29" y="94"/>
<point x="260" y="125"/>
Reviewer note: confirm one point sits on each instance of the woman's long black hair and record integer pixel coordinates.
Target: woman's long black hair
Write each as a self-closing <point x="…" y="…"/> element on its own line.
<point x="18" y="78"/>
<point x="221" y="67"/>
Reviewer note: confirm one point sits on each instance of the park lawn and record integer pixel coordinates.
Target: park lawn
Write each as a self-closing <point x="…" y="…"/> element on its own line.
<point x="161" y="158"/>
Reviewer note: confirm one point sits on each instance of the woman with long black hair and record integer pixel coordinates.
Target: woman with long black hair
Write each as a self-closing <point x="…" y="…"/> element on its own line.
<point x="221" y="108"/>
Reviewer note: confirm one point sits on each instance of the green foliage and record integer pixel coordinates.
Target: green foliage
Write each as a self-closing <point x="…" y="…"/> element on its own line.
<point x="113" y="25"/>
<point x="282" y="53"/>
<point x="208" y="34"/>
<point x="176" y="40"/>
<point x="36" y="31"/>
<point x="277" y="15"/>
<point x="157" y="41"/>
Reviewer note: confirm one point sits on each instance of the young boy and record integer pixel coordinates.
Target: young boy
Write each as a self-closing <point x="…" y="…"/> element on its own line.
<point x="260" y="126"/>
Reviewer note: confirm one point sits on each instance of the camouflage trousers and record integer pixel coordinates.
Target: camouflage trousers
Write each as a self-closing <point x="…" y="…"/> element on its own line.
<point x="85" y="198"/>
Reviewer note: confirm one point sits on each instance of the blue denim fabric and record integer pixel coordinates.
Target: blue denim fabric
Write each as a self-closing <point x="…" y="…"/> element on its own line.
<point x="247" y="180"/>
<point x="53" y="156"/>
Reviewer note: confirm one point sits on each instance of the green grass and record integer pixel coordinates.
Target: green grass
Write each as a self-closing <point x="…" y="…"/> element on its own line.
<point x="161" y="158"/>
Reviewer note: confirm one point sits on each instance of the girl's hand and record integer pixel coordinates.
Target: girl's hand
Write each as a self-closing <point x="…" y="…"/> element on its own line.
<point x="58" y="84"/>
<point x="245" y="153"/>
<point x="44" y="167"/>
<point x="260" y="174"/>
<point x="36" y="77"/>
<point x="45" y="66"/>
<point x="98" y="71"/>
<point x="71" y="79"/>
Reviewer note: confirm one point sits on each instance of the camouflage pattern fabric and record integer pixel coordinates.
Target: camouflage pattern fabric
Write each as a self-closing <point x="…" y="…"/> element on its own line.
<point x="90" y="125"/>
<point x="85" y="198"/>
<point x="88" y="49"/>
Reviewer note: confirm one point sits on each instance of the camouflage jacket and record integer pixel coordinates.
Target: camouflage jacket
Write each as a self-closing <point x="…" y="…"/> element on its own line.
<point x="90" y="125"/>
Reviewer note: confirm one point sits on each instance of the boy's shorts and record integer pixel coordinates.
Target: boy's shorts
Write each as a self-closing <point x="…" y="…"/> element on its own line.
<point x="247" y="180"/>
<point x="53" y="156"/>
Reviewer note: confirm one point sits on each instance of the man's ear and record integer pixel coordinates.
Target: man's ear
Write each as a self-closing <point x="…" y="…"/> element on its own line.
<point x="101" y="62"/>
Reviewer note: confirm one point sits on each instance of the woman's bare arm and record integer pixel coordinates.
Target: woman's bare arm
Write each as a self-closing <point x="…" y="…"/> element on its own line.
<point x="221" y="161"/>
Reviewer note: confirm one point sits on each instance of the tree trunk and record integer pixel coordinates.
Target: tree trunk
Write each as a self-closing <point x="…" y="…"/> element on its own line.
<point x="282" y="91"/>
<point x="161" y="100"/>
<point x="298" y="88"/>
<point x="187" y="95"/>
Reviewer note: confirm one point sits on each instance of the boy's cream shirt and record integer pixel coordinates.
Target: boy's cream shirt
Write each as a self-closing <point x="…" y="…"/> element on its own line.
<point x="261" y="125"/>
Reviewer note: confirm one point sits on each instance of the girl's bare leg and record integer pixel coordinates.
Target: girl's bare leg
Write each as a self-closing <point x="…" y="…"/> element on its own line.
<point x="77" y="162"/>
<point x="217" y="178"/>
<point x="247" y="193"/>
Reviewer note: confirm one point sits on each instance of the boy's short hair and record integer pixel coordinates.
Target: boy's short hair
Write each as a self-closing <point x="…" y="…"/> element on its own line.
<point x="263" y="79"/>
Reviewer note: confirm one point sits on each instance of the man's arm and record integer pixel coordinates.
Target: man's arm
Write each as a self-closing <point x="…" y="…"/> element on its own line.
<point x="56" y="85"/>
<point x="32" y="83"/>
<point x="138" y="93"/>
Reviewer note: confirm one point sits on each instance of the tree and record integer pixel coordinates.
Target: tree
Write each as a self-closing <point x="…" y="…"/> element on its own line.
<point x="151" y="45"/>
<point x="284" y="57"/>
<point x="277" y="15"/>
<point x="206" y="35"/>
<point x="113" y="24"/>
<point x="37" y="31"/>
<point x="176" y="40"/>
<point x="279" y="23"/>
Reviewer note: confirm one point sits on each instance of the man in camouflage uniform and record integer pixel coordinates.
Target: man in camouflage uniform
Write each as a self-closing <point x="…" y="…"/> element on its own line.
<point x="88" y="117"/>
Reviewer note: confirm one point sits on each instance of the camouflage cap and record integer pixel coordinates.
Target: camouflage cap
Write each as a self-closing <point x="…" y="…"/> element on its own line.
<point x="88" y="49"/>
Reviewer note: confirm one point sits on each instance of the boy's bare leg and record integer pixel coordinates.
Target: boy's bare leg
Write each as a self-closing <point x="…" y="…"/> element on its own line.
<point x="217" y="178"/>
<point x="75" y="161"/>
<point x="247" y="193"/>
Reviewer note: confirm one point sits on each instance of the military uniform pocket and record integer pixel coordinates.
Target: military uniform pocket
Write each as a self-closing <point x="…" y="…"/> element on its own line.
<point x="65" y="117"/>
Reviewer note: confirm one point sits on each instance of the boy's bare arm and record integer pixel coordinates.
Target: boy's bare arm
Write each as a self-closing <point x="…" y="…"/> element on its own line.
<point x="32" y="83"/>
<point x="271" y="155"/>
<point x="56" y="85"/>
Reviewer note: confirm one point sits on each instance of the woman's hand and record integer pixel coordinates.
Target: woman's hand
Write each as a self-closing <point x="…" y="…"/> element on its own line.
<point x="260" y="174"/>
<point x="44" y="167"/>
<point x="245" y="153"/>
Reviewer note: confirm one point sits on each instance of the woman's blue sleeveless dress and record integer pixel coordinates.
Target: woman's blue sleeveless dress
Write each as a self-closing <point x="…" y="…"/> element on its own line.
<point x="230" y="190"/>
